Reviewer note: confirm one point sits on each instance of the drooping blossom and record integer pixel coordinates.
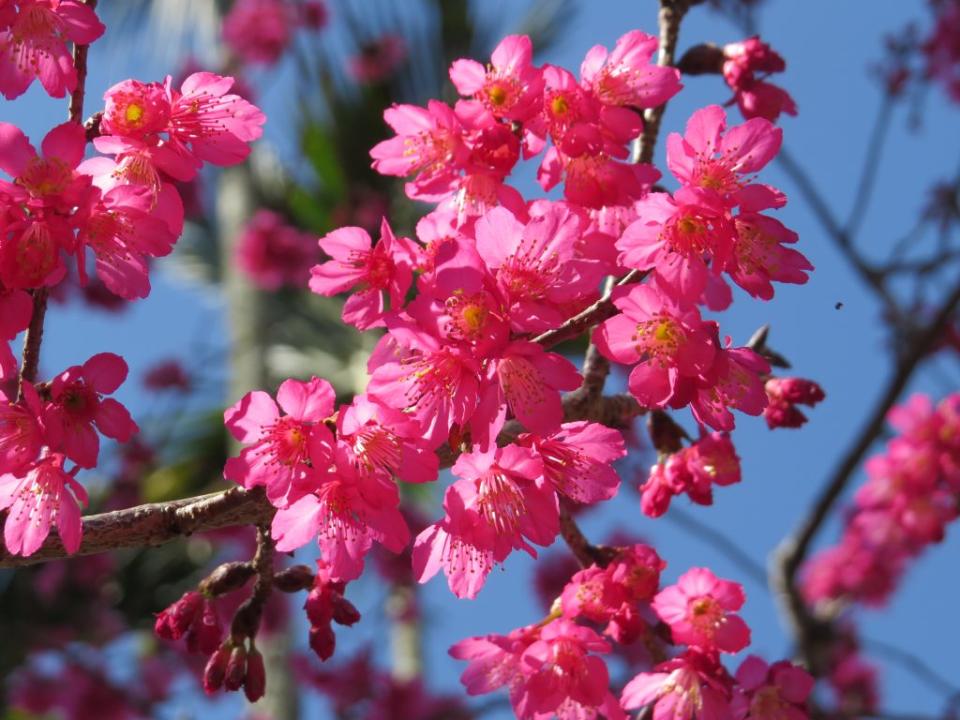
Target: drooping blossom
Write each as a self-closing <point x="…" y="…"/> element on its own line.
<point x="700" y="609"/>
<point x="494" y="661"/>
<point x="16" y="309"/>
<point x="771" y="692"/>
<point x="22" y="430"/>
<point x="784" y="394"/>
<point x="346" y="510"/>
<point x="577" y="460"/>
<point x="274" y="254"/>
<point x="45" y="191"/>
<point x="499" y="504"/>
<point x="711" y="460"/>
<point x="280" y="447"/>
<point x="193" y="617"/>
<point x="77" y="408"/>
<point x="42" y="496"/>
<point x="693" y="686"/>
<point x="383" y="272"/>
<point x="665" y="340"/>
<point x="735" y="380"/>
<point x="324" y="606"/>
<point x="35" y="45"/>
<point x="510" y="87"/>
<point x="743" y="61"/>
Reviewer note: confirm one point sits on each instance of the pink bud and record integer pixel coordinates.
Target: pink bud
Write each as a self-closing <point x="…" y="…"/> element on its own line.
<point x="256" y="683"/>
<point x="173" y="622"/>
<point x="216" y="670"/>
<point x="322" y="641"/>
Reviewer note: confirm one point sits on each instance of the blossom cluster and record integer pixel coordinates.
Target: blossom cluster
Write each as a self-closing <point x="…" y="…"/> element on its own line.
<point x="59" y="210"/>
<point x="260" y="31"/>
<point x="554" y="668"/>
<point x="910" y="496"/>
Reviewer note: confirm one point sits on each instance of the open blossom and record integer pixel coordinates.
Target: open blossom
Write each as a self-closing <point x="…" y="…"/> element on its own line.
<point x="693" y="686"/>
<point x="771" y="692"/>
<point x="346" y="511"/>
<point x="494" y="661"/>
<point x="428" y="144"/>
<point x="700" y="609"/>
<point x="383" y="272"/>
<point x="784" y="394"/>
<point x="279" y="447"/>
<point x="721" y="160"/>
<point x="77" y="406"/>
<point x="577" y="459"/>
<point x="510" y="87"/>
<point x="43" y="496"/>
<point x="48" y="188"/>
<point x="735" y="380"/>
<point x="35" y="45"/>
<point x="22" y="430"/>
<point x="123" y="234"/>
<point x="135" y="109"/>
<point x="274" y="254"/>
<point x="497" y="505"/>
<point x="626" y="76"/>
<point x="667" y="342"/>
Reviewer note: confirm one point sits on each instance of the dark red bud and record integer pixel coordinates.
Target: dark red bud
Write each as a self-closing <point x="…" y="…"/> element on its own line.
<point x="216" y="670"/>
<point x="172" y="623"/>
<point x="236" y="669"/>
<point x="318" y="606"/>
<point x="322" y="641"/>
<point x="293" y="579"/>
<point x="344" y="613"/>
<point x="256" y="683"/>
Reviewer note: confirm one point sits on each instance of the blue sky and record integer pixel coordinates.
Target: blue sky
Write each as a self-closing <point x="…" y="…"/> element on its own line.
<point x="829" y="47"/>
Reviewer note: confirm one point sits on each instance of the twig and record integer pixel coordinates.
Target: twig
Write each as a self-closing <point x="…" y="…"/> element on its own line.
<point x="869" y="173"/>
<point x="793" y="550"/>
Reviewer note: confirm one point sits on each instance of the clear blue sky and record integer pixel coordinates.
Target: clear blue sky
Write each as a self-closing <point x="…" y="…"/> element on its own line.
<point x="828" y="46"/>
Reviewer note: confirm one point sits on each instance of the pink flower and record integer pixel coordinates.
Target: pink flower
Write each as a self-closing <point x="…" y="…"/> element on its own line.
<point x="384" y="440"/>
<point x="510" y="87"/>
<point x="435" y="383"/>
<point x="735" y="380"/>
<point x="194" y="617"/>
<point x="577" y="460"/>
<point x="347" y="511"/>
<point x="42" y="496"/>
<point x="48" y="188"/>
<point x="498" y="504"/>
<point x="258" y="31"/>
<point x="77" y="406"/>
<point x="279" y="447"/>
<point x="167" y="375"/>
<point x="693" y="686"/>
<point x="35" y="45"/>
<point x="428" y="144"/>
<point x="674" y="237"/>
<point x="494" y="660"/>
<point x="123" y="234"/>
<point x="134" y="109"/>
<point x="218" y="127"/>
<point x="771" y="692"/>
<point x="700" y="609"/>
<point x="626" y="76"/>
<point x="693" y="470"/>
<point x="756" y="98"/>
<point x="536" y="264"/>
<point x="383" y="271"/>
<point x="22" y="430"/>
<point x="784" y="394"/>
<point x="666" y="341"/>
<point x="274" y="254"/>
<point x="719" y="160"/>
<point x="16" y="309"/>
<point x="561" y="674"/>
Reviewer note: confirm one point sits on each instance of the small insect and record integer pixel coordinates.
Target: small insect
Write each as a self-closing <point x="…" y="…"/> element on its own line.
<point x="838" y="306"/>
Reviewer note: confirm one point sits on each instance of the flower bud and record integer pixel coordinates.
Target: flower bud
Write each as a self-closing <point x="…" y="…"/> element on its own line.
<point x="344" y="613"/>
<point x="216" y="670"/>
<point x="322" y="641"/>
<point x="173" y="622"/>
<point x="293" y="579"/>
<point x="256" y="683"/>
<point x="318" y="605"/>
<point x="205" y="633"/>
<point x="236" y="669"/>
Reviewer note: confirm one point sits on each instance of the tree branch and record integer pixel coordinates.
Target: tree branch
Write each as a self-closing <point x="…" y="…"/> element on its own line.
<point x="794" y="549"/>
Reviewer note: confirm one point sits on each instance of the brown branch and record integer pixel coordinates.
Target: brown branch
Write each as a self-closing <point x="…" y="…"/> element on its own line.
<point x="159" y="523"/>
<point x="156" y="523"/>
<point x="671" y="14"/>
<point x="794" y="549"/>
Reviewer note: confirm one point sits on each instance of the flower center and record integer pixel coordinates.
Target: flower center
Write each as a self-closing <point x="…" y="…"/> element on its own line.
<point x="501" y="502"/>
